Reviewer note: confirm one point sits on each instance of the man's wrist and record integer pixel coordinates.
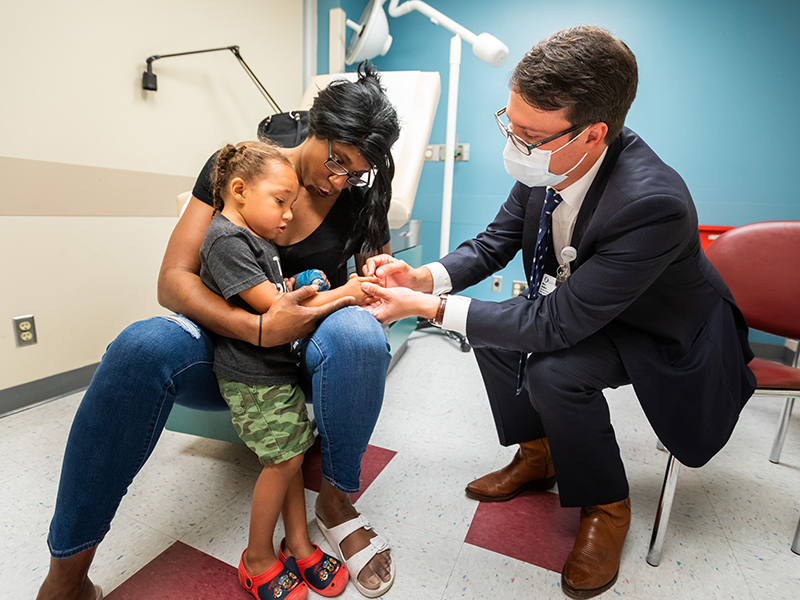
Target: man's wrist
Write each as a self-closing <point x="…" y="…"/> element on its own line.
<point x="435" y="313"/>
<point x="424" y="279"/>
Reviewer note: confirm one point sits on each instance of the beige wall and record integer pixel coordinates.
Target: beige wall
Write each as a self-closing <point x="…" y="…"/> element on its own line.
<point x="90" y="163"/>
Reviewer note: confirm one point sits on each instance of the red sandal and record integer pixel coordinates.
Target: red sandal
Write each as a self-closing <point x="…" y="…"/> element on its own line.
<point x="280" y="582"/>
<point x="322" y="573"/>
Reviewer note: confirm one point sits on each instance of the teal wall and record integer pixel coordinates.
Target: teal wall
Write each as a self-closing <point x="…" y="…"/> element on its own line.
<point x="718" y="100"/>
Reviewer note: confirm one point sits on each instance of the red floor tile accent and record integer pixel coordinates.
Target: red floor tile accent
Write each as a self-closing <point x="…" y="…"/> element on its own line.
<point x="532" y="528"/>
<point x="181" y="572"/>
<point x="372" y="463"/>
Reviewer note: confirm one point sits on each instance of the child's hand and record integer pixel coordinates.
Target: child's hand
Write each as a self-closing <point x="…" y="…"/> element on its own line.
<point x="353" y="288"/>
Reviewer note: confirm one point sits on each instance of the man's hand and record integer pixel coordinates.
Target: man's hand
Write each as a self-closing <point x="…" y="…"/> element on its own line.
<point x="393" y="273"/>
<point x="288" y="320"/>
<point x="398" y="303"/>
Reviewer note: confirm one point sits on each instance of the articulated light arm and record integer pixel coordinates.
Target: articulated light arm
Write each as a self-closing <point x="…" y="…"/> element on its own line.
<point x="485" y="46"/>
<point x="434" y="15"/>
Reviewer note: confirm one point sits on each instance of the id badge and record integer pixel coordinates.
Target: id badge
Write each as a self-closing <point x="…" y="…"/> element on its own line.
<point x="548" y="285"/>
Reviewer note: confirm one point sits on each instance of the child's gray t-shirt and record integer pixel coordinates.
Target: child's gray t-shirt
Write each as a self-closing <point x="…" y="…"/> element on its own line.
<point x="233" y="260"/>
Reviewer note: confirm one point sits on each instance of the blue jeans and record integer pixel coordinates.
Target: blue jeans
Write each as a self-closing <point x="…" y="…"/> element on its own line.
<point x="155" y="363"/>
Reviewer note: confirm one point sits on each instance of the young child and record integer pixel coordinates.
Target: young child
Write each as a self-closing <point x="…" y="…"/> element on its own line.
<point x="254" y="188"/>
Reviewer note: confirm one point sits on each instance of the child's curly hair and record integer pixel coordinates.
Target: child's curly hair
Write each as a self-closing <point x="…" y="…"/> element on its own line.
<point x="248" y="160"/>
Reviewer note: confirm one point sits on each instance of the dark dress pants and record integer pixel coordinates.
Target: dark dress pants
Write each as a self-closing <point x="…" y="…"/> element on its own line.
<point x="563" y="400"/>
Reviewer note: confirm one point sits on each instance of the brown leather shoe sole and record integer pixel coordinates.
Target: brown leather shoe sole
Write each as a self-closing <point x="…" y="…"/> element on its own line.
<point x="537" y="485"/>
<point x="582" y="594"/>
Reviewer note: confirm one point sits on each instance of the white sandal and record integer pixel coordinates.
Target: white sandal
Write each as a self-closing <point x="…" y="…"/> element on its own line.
<point x="359" y="560"/>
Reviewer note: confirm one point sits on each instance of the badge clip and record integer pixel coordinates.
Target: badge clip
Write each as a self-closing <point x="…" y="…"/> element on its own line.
<point x="568" y="254"/>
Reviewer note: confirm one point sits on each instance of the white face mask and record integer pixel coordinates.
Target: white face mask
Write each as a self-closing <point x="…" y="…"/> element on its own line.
<point x="534" y="170"/>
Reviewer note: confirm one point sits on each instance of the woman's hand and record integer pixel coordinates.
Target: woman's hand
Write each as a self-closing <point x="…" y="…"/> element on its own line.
<point x="397" y="303"/>
<point x="393" y="272"/>
<point x="288" y="320"/>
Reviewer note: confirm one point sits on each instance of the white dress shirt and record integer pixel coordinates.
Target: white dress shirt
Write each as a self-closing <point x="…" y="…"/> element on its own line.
<point x="564" y="217"/>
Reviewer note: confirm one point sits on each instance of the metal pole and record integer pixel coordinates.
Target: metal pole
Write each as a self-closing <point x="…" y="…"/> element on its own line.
<point x="450" y="143"/>
<point x="662" y="514"/>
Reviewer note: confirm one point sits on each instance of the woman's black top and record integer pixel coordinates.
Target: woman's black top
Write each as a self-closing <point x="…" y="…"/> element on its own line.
<point x="323" y="248"/>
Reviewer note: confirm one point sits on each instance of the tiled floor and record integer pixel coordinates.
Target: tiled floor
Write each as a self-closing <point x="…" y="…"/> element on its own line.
<point x="729" y="535"/>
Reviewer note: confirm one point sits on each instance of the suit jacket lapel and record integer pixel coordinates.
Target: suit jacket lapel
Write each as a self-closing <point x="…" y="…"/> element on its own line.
<point x="533" y="212"/>
<point x="593" y="196"/>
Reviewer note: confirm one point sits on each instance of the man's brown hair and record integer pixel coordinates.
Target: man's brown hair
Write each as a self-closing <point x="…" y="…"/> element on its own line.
<point x="583" y="69"/>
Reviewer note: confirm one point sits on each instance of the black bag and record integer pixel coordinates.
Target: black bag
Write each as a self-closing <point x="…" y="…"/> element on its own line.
<point x="287" y="129"/>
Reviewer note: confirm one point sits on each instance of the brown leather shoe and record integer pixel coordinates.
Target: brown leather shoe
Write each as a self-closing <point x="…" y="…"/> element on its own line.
<point x="593" y="565"/>
<point x="530" y="469"/>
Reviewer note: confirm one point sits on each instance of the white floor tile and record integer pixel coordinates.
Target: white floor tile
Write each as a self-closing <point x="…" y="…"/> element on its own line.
<point x="424" y="560"/>
<point x="691" y="508"/>
<point x="36" y="437"/>
<point x="223" y="534"/>
<point x="27" y="499"/>
<point x="127" y="547"/>
<point x="752" y="511"/>
<point x="176" y="494"/>
<point x="423" y="494"/>
<point x="770" y="575"/>
<point x="395" y="427"/>
<point x="452" y="439"/>
<point x="480" y="573"/>
<point x="693" y="566"/>
<point x="23" y="569"/>
<point x="434" y="378"/>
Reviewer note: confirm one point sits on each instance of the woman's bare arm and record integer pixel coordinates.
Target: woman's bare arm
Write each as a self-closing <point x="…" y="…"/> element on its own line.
<point x="181" y="290"/>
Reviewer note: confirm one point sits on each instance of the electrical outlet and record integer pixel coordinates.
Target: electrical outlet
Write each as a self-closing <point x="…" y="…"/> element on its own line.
<point x="497" y="283"/>
<point x="436" y="152"/>
<point x="517" y="287"/>
<point x="24" y="330"/>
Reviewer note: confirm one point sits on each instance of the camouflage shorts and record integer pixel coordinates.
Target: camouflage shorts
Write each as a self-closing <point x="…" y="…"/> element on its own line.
<point x="271" y="420"/>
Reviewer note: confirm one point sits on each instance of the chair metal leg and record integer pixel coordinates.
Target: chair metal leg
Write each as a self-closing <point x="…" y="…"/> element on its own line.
<point x="783" y="427"/>
<point x="662" y="514"/>
<point x="796" y="542"/>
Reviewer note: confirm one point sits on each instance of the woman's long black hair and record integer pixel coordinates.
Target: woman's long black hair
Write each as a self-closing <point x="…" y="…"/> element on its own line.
<point x="359" y="114"/>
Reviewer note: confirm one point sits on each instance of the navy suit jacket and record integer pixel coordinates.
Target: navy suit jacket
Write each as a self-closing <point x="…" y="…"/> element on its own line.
<point x="641" y="277"/>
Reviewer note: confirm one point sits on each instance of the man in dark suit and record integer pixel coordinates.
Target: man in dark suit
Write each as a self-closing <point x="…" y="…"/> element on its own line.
<point x="619" y="292"/>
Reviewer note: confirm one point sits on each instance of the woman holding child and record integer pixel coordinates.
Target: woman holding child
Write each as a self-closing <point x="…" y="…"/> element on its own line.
<point x="157" y="362"/>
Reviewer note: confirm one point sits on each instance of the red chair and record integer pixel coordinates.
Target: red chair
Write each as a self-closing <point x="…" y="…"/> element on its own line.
<point x="761" y="265"/>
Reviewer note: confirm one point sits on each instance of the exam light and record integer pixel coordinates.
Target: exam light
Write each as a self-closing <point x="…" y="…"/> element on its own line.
<point x="370" y="35"/>
<point x="490" y="50"/>
<point x="150" y="81"/>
